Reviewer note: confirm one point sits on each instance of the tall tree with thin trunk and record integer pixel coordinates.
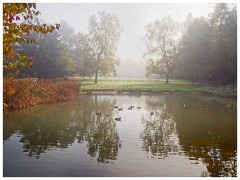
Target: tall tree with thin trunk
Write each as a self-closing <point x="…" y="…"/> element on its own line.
<point x="161" y="40"/>
<point x="104" y="33"/>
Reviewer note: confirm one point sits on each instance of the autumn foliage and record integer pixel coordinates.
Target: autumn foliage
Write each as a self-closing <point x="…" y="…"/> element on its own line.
<point x="30" y="92"/>
<point x="19" y="19"/>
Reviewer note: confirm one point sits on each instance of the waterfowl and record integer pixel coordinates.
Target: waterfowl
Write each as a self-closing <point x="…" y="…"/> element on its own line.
<point x="152" y="113"/>
<point x="120" y="109"/>
<point x="118" y="119"/>
<point x="130" y="108"/>
<point x="115" y="106"/>
<point x="99" y="113"/>
<point x="138" y="107"/>
<point x="170" y="107"/>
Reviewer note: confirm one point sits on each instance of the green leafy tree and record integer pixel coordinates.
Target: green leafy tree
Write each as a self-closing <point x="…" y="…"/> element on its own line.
<point x="208" y="47"/>
<point x="52" y="57"/>
<point x="15" y="27"/>
<point x="161" y="40"/>
<point x="195" y="51"/>
<point x="83" y="57"/>
<point x="100" y="44"/>
<point x="67" y="34"/>
<point x="224" y="23"/>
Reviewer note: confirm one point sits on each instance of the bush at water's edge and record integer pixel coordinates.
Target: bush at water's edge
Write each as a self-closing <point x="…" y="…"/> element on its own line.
<point x="29" y="92"/>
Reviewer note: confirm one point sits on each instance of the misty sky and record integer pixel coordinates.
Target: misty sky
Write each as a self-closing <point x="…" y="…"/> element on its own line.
<point x="133" y="18"/>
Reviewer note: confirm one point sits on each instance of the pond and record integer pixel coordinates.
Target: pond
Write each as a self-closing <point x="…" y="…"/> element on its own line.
<point x="156" y="136"/>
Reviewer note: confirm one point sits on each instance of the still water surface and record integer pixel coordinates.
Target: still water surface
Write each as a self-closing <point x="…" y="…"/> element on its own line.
<point x="164" y="135"/>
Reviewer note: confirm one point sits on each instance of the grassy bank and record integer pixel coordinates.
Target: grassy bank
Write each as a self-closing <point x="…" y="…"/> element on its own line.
<point x="156" y="86"/>
<point x="30" y="92"/>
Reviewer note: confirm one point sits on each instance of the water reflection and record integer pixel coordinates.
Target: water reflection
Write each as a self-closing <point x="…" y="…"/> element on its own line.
<point x="173" y="130"/>
<point x="99" y="132"/>
<point x="159" y="135"/>
<point x="180" y="127"/>
<point x="60" y="125"/>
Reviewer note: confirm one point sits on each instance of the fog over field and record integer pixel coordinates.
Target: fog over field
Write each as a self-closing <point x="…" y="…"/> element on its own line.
<point x="133" y="18"/>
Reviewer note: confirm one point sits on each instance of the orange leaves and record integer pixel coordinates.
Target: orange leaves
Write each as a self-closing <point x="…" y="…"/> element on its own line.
<point x="29" y="92"/>
<point x="36" y="29"/>
<point x="11" y="56"/>
<point x="14" y="32"/>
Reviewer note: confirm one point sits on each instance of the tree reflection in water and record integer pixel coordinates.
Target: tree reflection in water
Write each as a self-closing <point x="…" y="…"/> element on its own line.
<point x="159" y="134"/>
<point x="99" y="132"/>
<point x="58" y="126"/>
<point x="176" y="129"/>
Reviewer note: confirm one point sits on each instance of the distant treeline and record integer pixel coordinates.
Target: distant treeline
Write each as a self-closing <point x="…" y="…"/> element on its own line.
<point x="200" y="49"/>
<point x="208" y="47"/>
<point x="64" y="53"/>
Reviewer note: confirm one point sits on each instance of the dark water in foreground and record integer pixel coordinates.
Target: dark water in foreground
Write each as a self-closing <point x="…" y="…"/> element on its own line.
<point x="185" y="136"/>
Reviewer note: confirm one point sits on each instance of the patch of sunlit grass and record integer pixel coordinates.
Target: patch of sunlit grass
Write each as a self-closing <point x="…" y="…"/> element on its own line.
<point x="156" y="86"/>
<point x="137" y="85"/>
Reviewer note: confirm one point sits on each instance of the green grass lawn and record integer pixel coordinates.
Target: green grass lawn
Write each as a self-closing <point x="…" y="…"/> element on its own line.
<point x="138" y="85"/>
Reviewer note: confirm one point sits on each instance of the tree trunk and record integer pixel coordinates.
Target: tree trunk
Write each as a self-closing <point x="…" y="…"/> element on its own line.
<point x="166" y="78"/>
<point x="96" y="76"/>
<point x="97" y="67"/>
<point x="192" y="79"/>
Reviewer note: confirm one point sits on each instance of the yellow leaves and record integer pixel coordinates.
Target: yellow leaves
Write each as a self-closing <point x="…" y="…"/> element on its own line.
<point x="21" y="58"/>
<point x="12" y="26"/>
<point x="30" y="64"/>
<point x="48" y="29"/>
<point x="21" y="64"/>
<point x="45" y="29"/>
<point x="5" y="18"/>
<point x="36" y="29"/>
<point x="14" y="32"/>
<point x="5" y="67"/>
<point x="5" y="106"/>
